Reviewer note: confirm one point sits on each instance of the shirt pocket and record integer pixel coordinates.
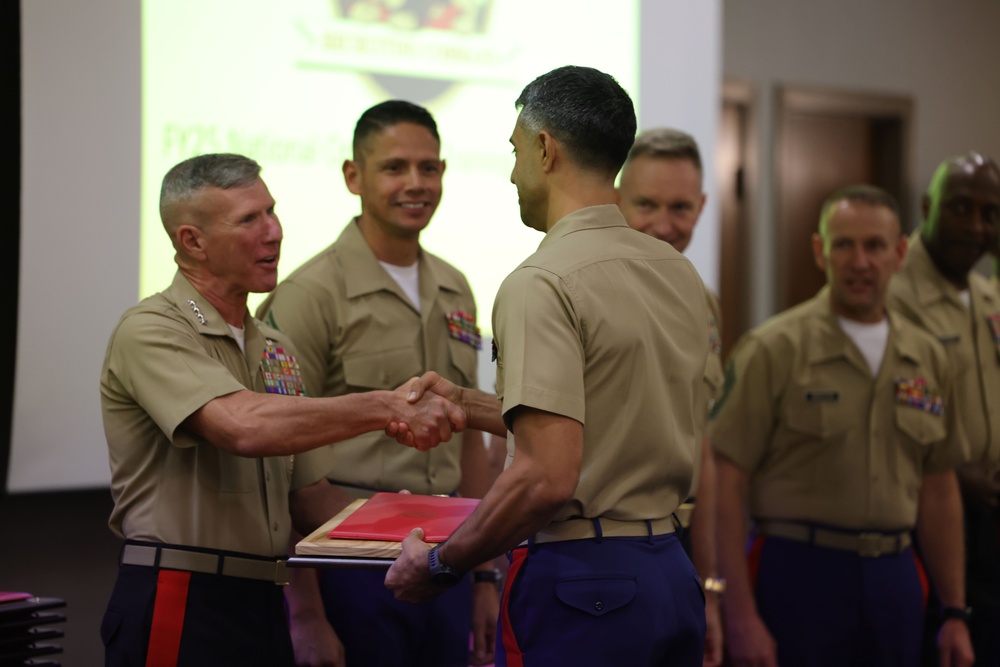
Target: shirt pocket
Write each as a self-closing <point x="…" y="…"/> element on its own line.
<point x="464" y="360"/>
<point x="921" y="427"/>
<point x="385" y="369"/>
<point x="815" y="414"/>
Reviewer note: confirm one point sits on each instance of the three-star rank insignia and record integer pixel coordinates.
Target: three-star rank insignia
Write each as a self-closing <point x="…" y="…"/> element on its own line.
<point x="462" y="326"/>
<point x="282" y="374"/>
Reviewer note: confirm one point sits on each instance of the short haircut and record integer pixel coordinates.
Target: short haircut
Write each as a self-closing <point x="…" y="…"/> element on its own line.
<point x="385" y="115"/>
<point x="218" y="170"/>
<point x="584" y="109"/>
<point x="865" y="194"/>
<point x="666" y="143"/>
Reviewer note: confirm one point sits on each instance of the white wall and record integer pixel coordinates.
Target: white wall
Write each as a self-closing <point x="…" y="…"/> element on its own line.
<point x="942" y="54"/>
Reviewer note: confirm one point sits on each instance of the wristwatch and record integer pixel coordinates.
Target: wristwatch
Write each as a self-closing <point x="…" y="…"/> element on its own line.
<point x="961" y="613"/>
<point x="486" y="576"/>
<point x="441" y="574"/>
<point x="715" y="585"/>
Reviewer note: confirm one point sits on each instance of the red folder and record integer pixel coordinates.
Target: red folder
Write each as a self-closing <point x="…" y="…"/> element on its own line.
<point x="391" y="517"/>
<point x="7" y="596"/>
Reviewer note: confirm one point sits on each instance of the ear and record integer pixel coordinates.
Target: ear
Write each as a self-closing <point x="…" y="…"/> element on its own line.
<point x="902" y="247"/>
<point x="549" y="151"/>
<point x="701" y="206"/>
<point x="444" y="164"/>
<point x="818" y="257"/>
<point x="191" y="241"/>
<point x="352" y="176"/>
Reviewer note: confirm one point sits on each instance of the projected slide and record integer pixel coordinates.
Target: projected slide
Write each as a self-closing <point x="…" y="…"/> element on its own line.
<point x="284" y="83"/>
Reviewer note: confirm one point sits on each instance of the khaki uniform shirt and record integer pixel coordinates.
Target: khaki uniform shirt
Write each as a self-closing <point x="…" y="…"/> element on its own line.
<point x="356" y="330"/>
<point x="822" y="440"/>
<point x="163" y="364"/>
<point x="606" y="326"/>
<point x="971" y="339"/>
<point x="714" y="373"/>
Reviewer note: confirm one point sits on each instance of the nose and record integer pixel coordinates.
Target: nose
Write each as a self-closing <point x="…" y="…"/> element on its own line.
<point x="416" y="179"/>
<point x="274" y="232"/>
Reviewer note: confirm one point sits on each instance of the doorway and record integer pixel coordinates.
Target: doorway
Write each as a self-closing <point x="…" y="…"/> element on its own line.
<point x="826" y="140"/>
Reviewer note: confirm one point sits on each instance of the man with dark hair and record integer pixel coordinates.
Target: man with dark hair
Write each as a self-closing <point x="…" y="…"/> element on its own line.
<point x="939" y="291"/>
<point x="368" y="312"/>
<point x="602" y="326"/>
<point x="204" y="408"/>
<point x="836" y="426"/>
<point x="660" y="194"/>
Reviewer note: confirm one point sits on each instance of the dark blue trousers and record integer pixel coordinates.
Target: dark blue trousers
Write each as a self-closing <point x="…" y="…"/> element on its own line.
<point x="834" y="608"/>
<point x="633" y="601"/>
<point x="379" y="631"/>
<point x="225" y="621"/>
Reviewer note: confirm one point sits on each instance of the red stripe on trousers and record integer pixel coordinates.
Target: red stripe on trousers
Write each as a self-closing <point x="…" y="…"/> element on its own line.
<point x="753" y="558"/>
<point x="168" y="618"/>
<point x="513" y="651"/>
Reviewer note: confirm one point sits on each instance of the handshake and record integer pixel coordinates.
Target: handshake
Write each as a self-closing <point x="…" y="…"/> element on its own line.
<point x="425" y="411"/>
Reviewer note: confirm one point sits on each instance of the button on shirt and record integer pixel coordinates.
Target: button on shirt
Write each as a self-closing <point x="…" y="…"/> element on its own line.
<point x="356" y="330"/>
<point x="822" y="440"/>
<point x="169" y="485"/>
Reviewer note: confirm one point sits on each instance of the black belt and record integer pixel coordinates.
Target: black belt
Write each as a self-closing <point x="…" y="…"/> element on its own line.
<point x="207" y="562"/>
<point x="868" y="544"/>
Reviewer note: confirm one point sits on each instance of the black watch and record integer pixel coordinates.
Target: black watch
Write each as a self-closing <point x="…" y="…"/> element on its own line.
<point x="961" y="613"/>
<point x="486" y="576"/>
<point x="441" y="574"/>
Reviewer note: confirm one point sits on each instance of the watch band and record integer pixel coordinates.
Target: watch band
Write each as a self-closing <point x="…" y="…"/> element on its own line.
<point x="486" y="576"/>
<point x="441" y="574"/>
<point x="961" y="613"/>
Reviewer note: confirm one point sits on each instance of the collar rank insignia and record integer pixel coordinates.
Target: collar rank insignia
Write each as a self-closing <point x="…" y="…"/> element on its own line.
<point x="993" y="319"/>
<point x="197" y="310"/>
<point x="917" y="394"/>
<point x="282" y="374"/>
<point x="462" y="326"/>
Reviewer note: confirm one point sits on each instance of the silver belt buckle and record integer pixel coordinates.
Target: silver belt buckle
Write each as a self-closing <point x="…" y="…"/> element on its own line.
<point x="870" y="545"/>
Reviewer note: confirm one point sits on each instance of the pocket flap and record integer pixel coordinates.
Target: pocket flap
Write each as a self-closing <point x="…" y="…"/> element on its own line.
<point x="596" y="595"/>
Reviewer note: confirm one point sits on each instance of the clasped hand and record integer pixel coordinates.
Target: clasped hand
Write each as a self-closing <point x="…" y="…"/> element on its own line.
<point x="426" y="412"/>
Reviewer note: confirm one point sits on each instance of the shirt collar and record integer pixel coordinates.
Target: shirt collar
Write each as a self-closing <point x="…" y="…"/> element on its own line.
<point x="591" y="217"/>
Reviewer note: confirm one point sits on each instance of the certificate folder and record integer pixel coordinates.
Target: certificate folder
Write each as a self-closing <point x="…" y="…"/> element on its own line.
<point x="374" y="528"/>
<point x="391" y="516"/>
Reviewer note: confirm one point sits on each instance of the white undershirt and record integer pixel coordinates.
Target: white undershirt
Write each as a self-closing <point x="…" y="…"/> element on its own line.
<point x="408" y="279"/>
<point x="965" y="298"/>
<point x="240" y="336"/>
<point x="871" y="339"/>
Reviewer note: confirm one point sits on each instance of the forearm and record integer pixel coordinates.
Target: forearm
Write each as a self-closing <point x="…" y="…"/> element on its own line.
<point x="482" y="411"/>
<point x="731" y="490"/>
<point x="541" y="479"/>
<point x="703" y="550"/>
<point x="940" y="531"/>
<point x="247" y="423"/>
<point x="312" y="506"/>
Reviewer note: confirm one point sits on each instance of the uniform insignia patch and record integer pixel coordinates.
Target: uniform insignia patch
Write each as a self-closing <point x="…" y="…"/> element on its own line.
<point x="282" y="374"/>
<point x="915" y="393"/>
<point x="197" y="310"/>
<point x="462" y="326"/>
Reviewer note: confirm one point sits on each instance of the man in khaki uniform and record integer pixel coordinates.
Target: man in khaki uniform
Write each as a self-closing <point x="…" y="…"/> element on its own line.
<point x="203" y="409"/>
<point x="837" y="427"/>
<point x="369" y="312"/>
<point x="660" y="194"/>
<point x="938" y="289"/>
<point x="602" y="327"/>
